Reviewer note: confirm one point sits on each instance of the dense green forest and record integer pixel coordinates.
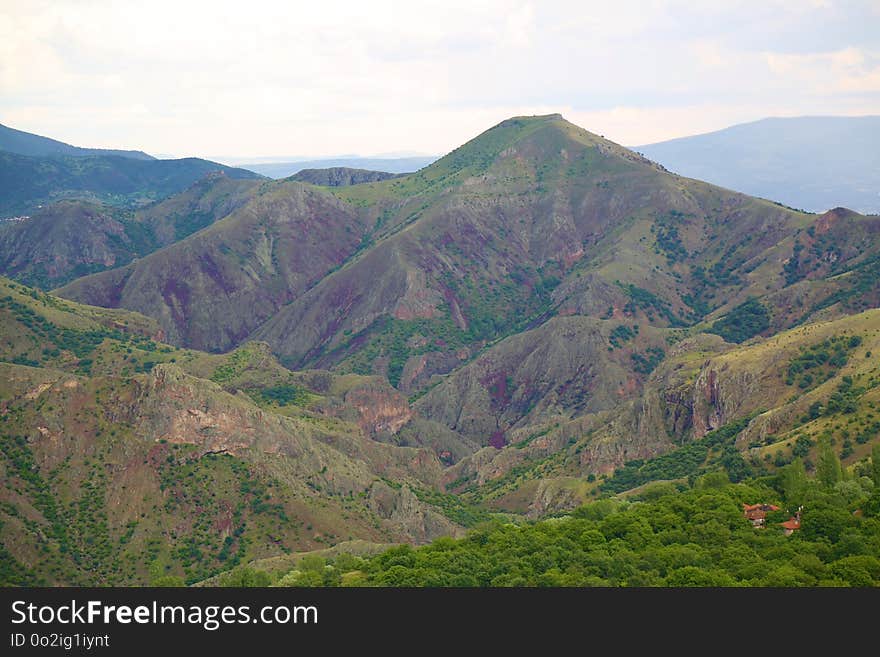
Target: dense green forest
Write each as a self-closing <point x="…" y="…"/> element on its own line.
<point x="667" y="535"/>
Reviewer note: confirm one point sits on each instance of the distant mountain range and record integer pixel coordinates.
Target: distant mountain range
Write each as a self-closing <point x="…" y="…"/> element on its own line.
<point x="25" y="143"/>
<point x="811" y="163"/>
<point x="388" y="164"/>
<point x="36" y="171"/>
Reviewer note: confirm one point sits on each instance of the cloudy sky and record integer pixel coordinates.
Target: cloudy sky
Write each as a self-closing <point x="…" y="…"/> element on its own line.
<point x="254" y="78"/>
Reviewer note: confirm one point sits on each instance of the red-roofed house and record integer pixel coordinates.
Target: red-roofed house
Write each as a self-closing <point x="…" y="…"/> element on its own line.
<point x="791" y="525"/>
<point x="756" y="513"/>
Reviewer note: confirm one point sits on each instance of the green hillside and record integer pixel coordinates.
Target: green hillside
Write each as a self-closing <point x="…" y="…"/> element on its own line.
<point x="667" y="536"/>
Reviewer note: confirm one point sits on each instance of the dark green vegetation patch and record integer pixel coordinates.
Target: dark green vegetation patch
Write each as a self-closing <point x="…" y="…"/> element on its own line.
<point x="743" y="322"/>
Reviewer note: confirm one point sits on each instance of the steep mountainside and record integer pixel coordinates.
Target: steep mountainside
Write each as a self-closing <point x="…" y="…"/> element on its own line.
<point x="538" y="218"/>
<point x="534" y="217"/>
<point x="709" y="404"/>
<point x="567" y="366"/>
<point x="25" y="143"/>
<point x="811" y="162"/>
<point x="534" y="221"/>
<point x="69" y="239"/>
<point x="28" y="182"/>
<point x="125" y="460"/>
<point x="214" y="288"/>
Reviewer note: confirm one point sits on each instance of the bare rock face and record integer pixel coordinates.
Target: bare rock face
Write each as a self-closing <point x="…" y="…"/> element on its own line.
<point x="177" y="408"/>
<point x="402" y="508"/>
<point x="551" y="498"/>
<point x="381" y="409"/>
<point x="719" y="396"/>
<point x="418" y="301"/>
<point x="174" y="407"/>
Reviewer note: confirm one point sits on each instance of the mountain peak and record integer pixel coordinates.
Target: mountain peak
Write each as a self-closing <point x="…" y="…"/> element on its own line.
<point x="838" y="213"/>
<point x="540" y="138"/>
<point x="535" y="117"/>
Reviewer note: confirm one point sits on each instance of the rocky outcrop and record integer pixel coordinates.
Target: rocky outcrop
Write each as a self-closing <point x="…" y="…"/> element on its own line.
<point x="402" y="508"/>
<point x="551" y="497"/>
<point x="178" y="408"/>
<point x="341" y="176"/>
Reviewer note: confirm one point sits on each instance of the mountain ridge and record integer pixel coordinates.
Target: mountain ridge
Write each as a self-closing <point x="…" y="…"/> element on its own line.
<point x="26" y="143"/>
<point x="397" y="165"/>
<point x="28" y="183"/>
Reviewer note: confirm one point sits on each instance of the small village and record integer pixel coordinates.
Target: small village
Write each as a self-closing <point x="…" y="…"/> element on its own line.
<point x="757" y="515"/>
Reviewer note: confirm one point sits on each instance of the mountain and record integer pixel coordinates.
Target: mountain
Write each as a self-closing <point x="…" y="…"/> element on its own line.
<point x="341" y="176"/>
<point x="69" y="239"/>
<point x="389" y="164"/>
<point x="531" y="222"/>
<point x="29" y="183"/>
<point x="538" y="319"/>
<point x="25" y="143"/>
<point x="815" y="163"/>
<point x="537" y="219"/>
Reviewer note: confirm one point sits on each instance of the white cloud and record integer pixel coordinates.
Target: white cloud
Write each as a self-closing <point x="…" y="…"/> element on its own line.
<point x="850" y="70"/>
<point x="275" y="78"/>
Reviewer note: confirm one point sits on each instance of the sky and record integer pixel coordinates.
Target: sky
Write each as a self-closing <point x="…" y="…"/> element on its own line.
<point x="240" y="80"/>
